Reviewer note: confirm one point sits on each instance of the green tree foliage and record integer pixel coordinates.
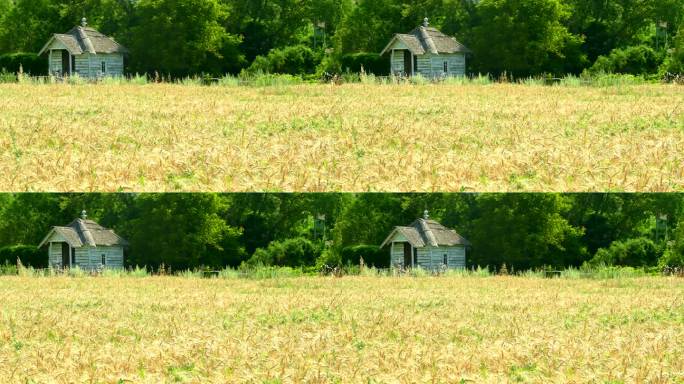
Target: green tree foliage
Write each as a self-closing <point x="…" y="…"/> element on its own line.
<point x="524" y="37"/>
<point x="293" y="60"/>
<point x="181" y="231"/>
<point x="521" y="230"/>
<point x="636" y="60"/>
<point x="525" y="231"/>
<point x="608" y="25"/>
<point x="288" y="253"/>
<point x="674" y="254"/>
<point x="28" y="255"/>
<point x="183" y="37"/>
<point x="30" y="63"/>
<point x="639" y="252"/>
<point x="372" y="255"/>
<point x="675" y="61"/>
<point x="520" y="37"/>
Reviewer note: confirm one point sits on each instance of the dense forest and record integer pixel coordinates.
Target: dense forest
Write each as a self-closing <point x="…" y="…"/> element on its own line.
<point x="310" y="37"/>
<point x="524" y="231"/>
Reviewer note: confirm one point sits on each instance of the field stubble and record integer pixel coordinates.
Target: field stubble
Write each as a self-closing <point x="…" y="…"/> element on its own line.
<point x="500" y="137"/>
<point x="355" y="329"/>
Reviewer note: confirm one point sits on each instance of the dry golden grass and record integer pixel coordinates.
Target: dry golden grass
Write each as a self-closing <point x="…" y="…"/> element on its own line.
<point x="356" y="329"/>
<point x="499" y="137"/>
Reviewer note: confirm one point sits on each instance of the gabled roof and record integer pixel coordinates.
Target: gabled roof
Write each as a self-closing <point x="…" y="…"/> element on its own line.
<point x="428" y="233"/>
<point x="81" y="233"/>
<point x="427" y="40"/>
<point x="81" y="40"/>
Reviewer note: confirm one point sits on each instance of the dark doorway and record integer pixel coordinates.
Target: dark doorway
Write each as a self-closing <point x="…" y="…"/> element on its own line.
<point x="65" y="255"/>
<point x="407" y="62"/>
<point x="65" y="62"/>
<point x="408" y="255"/>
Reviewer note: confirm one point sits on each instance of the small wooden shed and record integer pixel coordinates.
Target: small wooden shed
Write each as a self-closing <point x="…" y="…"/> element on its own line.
<point x="426" y="244"/>
<point x="428" y="52"/>
<point x="85" y="52"/>
<point x="84" y="244"/>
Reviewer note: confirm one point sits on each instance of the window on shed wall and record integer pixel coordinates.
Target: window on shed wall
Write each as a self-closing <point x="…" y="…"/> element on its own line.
<point x="446" y="259"/>
<point x="104" y="67"/>
<point x="104" y="259"/>
<point x="446" y="67"/>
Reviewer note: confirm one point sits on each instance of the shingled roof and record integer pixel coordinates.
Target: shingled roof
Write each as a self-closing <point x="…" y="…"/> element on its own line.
<point x="83" y="232"/>
<point x="428" y="233"/>
<point x="81" y="40"/>
<point x="426" y="39"/>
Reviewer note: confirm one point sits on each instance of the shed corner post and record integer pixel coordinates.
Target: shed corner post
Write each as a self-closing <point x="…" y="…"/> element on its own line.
<point x="413" y="61"/>
<point x="391" y="254"/>
<point x="392" y="63"/>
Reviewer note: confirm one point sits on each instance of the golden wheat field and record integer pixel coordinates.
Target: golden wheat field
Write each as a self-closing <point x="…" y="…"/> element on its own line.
<point x="348" y="330"/>
<point x="497" y="137"/>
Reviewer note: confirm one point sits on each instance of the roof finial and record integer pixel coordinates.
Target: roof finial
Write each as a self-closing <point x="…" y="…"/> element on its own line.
<point x="426" y="215"/>
<point x="84" y="214"/>
<point x="84" y="22"/>
<point x="426" y="22"/>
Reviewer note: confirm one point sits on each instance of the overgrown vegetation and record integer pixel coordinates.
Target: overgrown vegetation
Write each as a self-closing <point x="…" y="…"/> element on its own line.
<point x="171" y="233"/>
<point x="298" y="37"/>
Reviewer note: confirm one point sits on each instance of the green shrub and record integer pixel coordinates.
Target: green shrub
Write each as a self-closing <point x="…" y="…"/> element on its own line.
<point x="7" y="77"/>
<point x="672" y="258"/>
<point x="8" y="269"/>
<point x="30" y="63"/>
<point x="636" y="60"/>
<point x="289" y="253"/>
<point x="294" y="60"/>
<point x="370" y="62"/>
<point x="637" y="252"/>
<point x="674" y="255"/>
<point x="674" y="63"/>
<point x="373" y="256"/>
<point x="28" y="254"/>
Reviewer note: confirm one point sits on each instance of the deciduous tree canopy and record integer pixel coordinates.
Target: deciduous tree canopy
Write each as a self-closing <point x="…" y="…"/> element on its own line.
<point x="520" y="37"/>
<point x="522" y="230"/>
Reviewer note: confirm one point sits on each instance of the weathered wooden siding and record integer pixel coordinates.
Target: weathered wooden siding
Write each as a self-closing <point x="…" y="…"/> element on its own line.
<point x="397" y="61"/>
<point x="423" y="258"/>
<point x="90" y="66"/>
<point x="55" y="254"/>
<point x="114" y="257"/>
<point x="457" y="258"/>
<point x="90" y="258"/>
<point x="432" y="258"/>
<point x="82" y="65"/>
<point x="55" y="62"/>
<point x="397" y="255"/>
<point x="424" y="66"/>
<point x="115" y="65"/>
<point x="432" y="66"/>
<point x="82" y="259"/>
